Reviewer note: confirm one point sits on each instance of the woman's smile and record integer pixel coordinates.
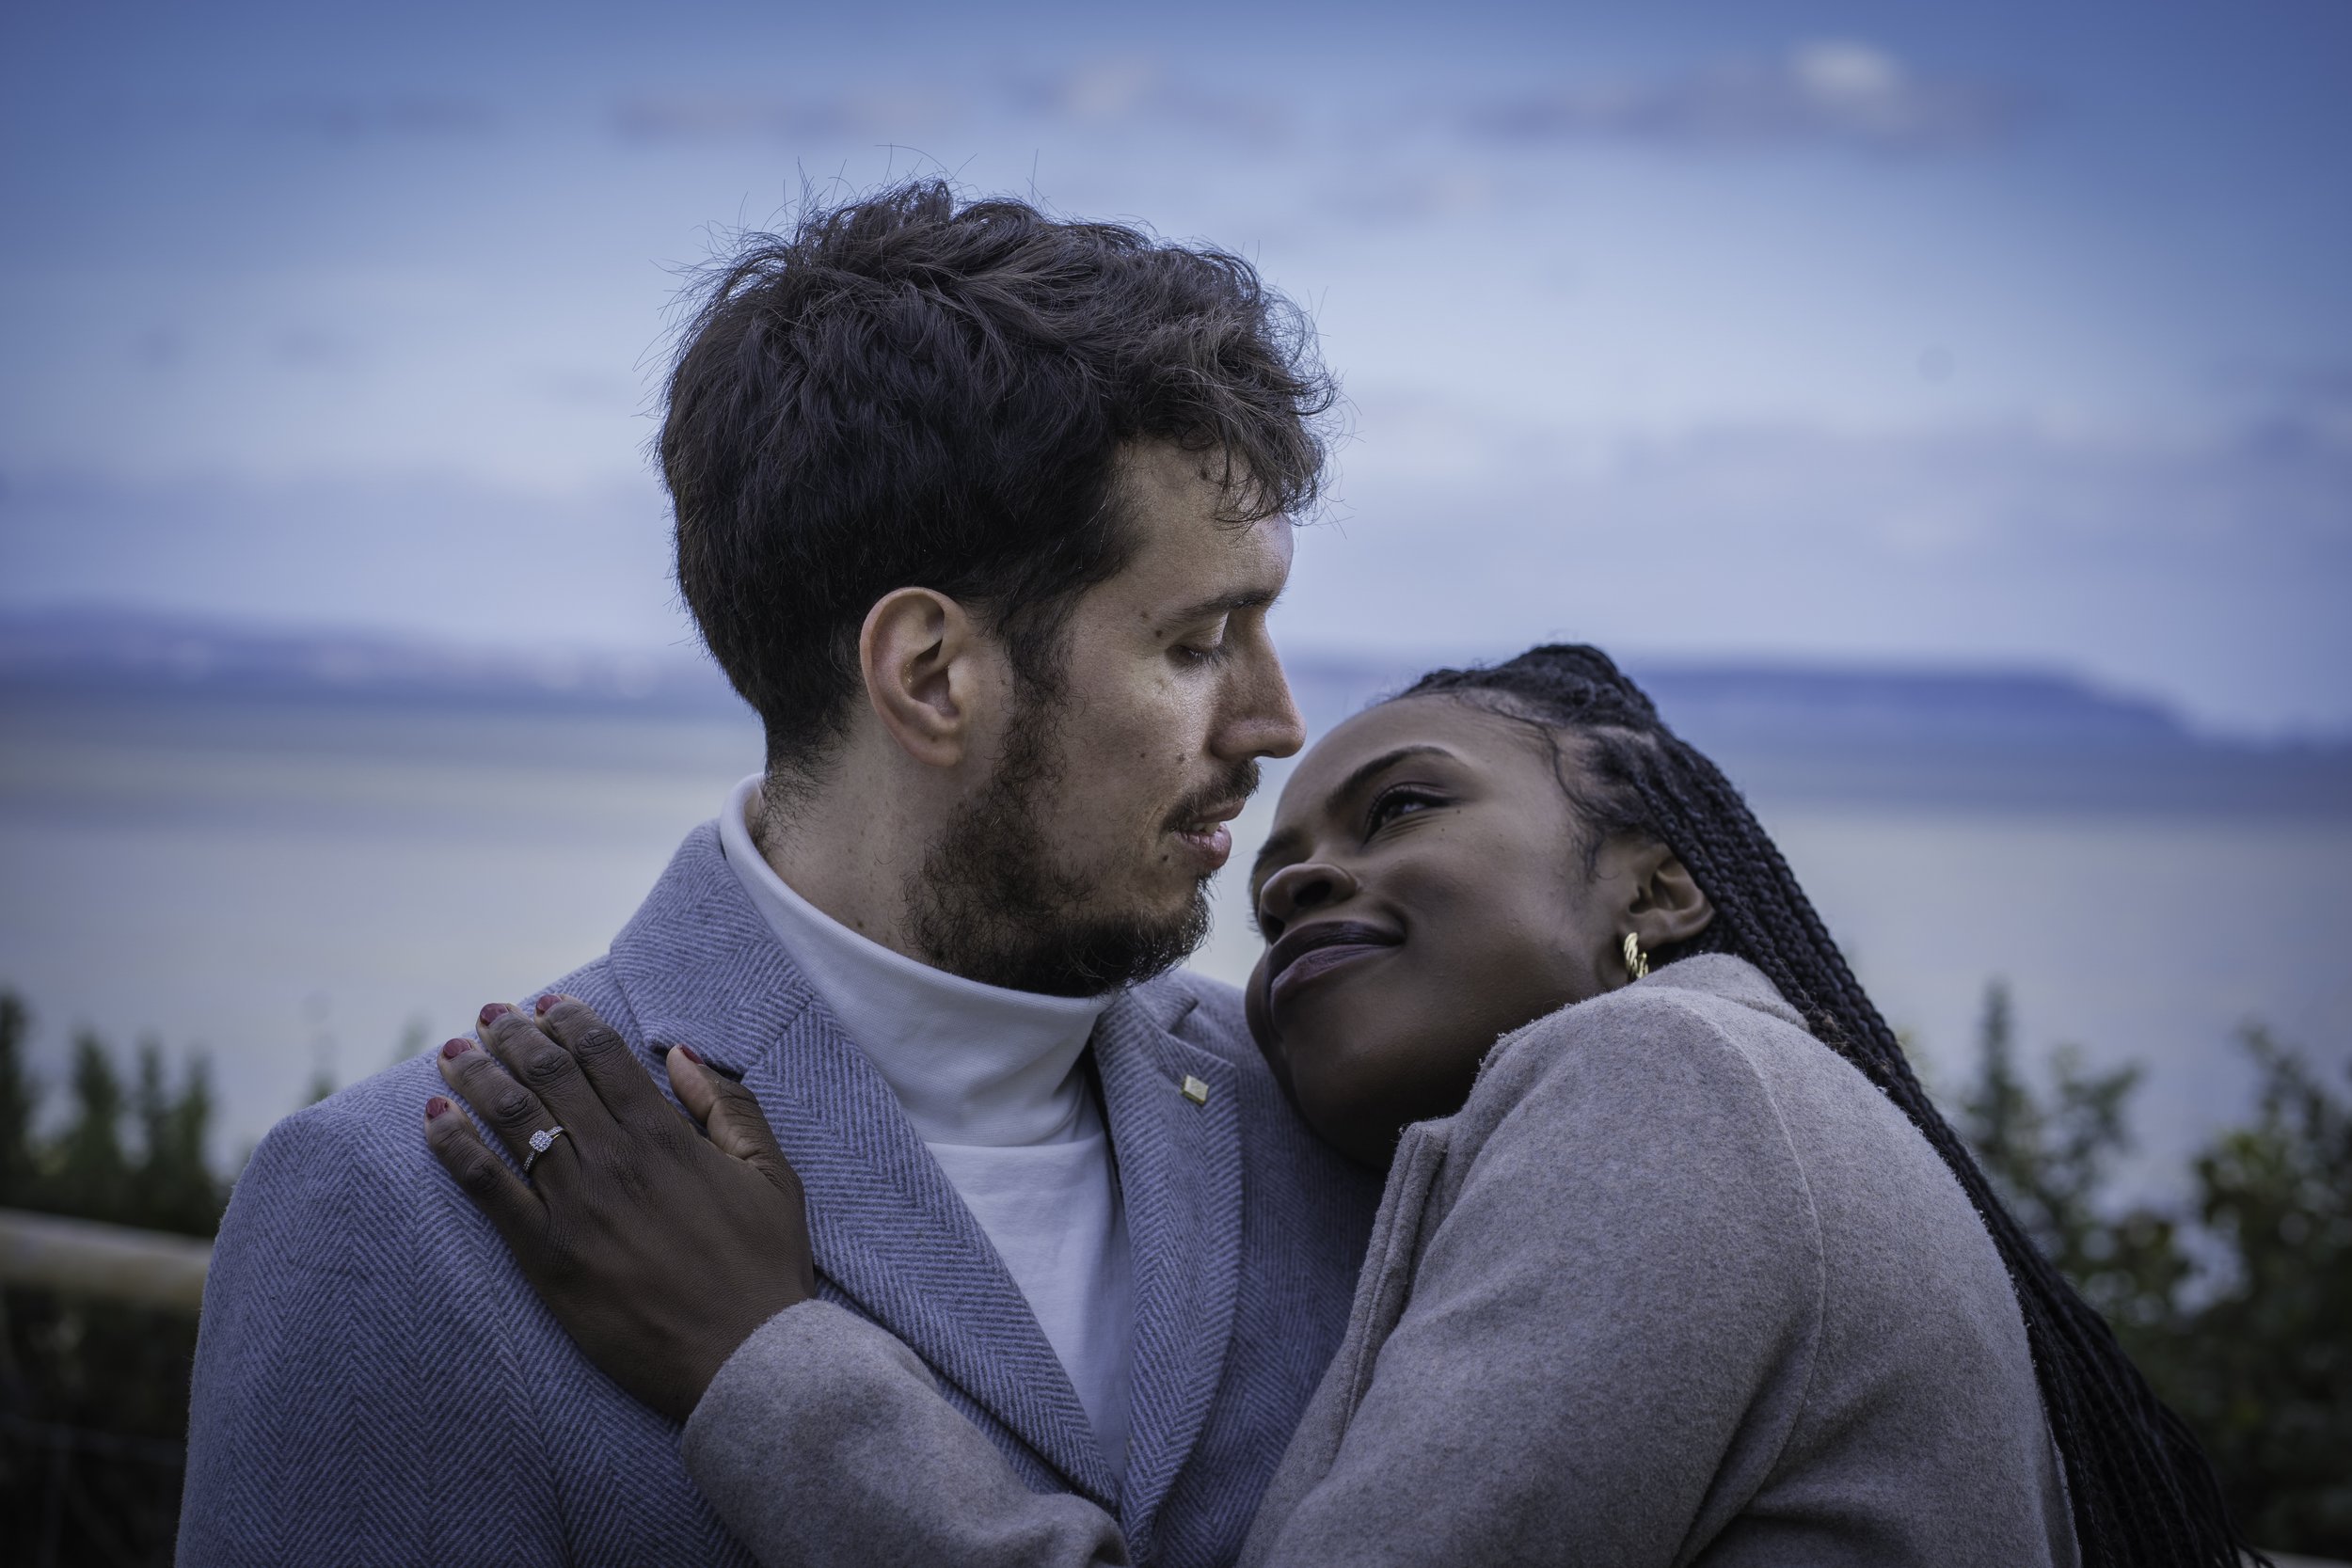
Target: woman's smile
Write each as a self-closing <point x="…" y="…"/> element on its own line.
<point x="1307" y="953"/>
<point x="1432" y="818"/>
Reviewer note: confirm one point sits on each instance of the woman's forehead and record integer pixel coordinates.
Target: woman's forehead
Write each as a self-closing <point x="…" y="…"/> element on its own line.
<point x="1467" y="731"/>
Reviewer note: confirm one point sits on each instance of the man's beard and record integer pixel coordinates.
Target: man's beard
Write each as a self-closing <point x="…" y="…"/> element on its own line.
<point x="991" y="905"/>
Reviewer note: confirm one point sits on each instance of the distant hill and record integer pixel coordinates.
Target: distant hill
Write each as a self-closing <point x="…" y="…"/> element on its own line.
<point x="1953" y="736"/>
<point x="137" y="653"/>
<point x="1762" y="703"/>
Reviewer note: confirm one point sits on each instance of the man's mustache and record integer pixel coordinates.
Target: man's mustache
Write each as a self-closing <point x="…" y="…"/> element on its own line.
<point x="1239" y="784"/>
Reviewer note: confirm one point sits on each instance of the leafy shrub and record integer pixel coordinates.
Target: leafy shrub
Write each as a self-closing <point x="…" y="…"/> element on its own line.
<point x="93" y="1395"/>
<point x="2239" y="1308"/>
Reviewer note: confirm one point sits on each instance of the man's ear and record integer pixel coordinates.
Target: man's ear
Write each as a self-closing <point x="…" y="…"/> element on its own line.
<point x="921" y="658"/>
<point x="1668" y="905"/>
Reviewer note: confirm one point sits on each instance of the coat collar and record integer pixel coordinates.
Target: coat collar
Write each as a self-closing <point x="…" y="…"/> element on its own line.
<point x="701" y="966"/>
<point x="1725" y="975"/>
<point x="1180" y="1178"/>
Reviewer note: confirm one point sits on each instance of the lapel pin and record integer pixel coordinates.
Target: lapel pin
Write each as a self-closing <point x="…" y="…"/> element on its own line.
<point x="1195" y="1090"/>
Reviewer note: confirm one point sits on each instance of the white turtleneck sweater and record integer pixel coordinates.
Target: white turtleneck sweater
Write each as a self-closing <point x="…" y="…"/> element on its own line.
<point x="990" y="1078"/>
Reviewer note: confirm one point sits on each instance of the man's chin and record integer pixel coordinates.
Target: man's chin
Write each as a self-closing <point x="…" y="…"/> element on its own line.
<point x="1124" y="947"/>
<point x="1084" y="951"/>
<point x="994" y="902"/>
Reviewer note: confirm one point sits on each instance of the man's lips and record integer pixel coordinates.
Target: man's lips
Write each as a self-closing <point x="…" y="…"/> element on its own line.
<point x="1206" y="834"/>
<point x="1307" y="952"/>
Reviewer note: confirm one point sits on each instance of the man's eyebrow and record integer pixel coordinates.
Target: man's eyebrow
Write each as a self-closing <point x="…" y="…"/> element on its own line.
<point x="1279" y="844"/>
<point x="1223" y="604"/>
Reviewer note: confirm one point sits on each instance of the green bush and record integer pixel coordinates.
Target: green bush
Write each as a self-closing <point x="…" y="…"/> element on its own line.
<point x="161" y="1181"/>
<point x="93" y="1396"/>
<point x="2239" y="1306"/>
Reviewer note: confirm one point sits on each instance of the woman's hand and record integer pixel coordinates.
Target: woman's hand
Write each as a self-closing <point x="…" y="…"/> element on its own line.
<point x="658" y="1249"/>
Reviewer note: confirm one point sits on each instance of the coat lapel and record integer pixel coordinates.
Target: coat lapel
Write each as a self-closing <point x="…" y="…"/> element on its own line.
<point x="700" y="967"/>
<point x="1179" y="1176"/>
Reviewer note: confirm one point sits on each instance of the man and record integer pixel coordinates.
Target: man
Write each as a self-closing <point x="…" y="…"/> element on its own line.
<point x="983" y="512"/>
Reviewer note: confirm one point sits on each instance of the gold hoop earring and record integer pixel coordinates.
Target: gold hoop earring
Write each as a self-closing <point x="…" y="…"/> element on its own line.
<point x="1636" y="961"/>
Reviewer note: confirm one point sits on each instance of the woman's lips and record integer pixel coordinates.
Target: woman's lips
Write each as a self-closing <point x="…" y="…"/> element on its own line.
<point x="1320" y="954"/>
<point x="1323" y="960"/>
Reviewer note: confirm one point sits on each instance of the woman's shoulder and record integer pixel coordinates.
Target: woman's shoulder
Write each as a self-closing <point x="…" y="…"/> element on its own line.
<point x="1635" y="1061"/>
<point x="1706" y="1055"/>
<point x="1705" y="1004"/>
<point x="1631" y="1127"/>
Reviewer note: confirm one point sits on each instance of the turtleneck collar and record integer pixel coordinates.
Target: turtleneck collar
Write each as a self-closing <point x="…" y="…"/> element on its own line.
<point x="970" y="1064"/>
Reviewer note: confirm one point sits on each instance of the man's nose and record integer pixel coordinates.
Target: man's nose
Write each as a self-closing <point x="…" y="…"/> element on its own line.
<point x="1262" y="719"/>
<point x="1301" y="889"/>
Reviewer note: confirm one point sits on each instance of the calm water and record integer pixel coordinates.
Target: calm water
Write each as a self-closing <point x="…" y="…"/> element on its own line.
<point x="300" y="890"/>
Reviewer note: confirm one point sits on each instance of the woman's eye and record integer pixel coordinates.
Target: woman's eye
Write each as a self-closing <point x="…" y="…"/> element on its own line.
<point x="1399" y="802"/>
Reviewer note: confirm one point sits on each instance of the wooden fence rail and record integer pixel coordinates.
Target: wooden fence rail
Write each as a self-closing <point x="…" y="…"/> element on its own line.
<point x="147" y="1268"/>
<point x="111" y="1263"/>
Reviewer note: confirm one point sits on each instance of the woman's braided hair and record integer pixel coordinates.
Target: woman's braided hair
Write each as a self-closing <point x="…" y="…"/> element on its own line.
<point x="2142" y="1489"/>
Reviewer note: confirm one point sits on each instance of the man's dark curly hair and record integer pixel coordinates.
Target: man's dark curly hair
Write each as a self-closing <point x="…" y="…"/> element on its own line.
<point x="908" y="389"/>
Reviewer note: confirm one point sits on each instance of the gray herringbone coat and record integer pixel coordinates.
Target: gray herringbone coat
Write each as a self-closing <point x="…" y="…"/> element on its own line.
<point x="376" y="1383"/>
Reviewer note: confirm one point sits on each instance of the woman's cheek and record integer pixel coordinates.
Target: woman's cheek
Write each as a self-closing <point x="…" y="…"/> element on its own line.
<point x="1365" y="1048"/>
<point x="1260" y="1018"/>
<point x="1345" y="1105"/>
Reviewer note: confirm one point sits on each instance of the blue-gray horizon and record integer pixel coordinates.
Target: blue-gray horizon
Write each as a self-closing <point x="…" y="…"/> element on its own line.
<point x="70" y="654"/>
<point x="1805" y="332"/>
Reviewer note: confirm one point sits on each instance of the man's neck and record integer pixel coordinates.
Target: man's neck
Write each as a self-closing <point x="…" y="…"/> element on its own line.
<point x="842" y="853"/>
<point x="970" y="1064"/>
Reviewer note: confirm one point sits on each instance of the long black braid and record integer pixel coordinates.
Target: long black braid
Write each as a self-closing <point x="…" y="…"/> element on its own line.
<point x="2142" y="1489"/>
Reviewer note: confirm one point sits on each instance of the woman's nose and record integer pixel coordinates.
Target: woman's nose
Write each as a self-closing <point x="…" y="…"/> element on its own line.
<point x="1301" y="889"/>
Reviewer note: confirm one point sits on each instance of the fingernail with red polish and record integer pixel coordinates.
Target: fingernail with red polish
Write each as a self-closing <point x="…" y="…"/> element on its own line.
<point x="547" y="1002"/>
<point x="456" y="1048"/>
<point x="492" y="1013"/>
<point x="689" y="1052"/>
<point x="434" y="1106"/>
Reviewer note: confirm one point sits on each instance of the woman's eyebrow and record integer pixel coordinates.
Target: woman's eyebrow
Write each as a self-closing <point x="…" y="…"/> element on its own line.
<point x="1279" y="844"/>
<point x="1385" y="761"/>
<point x="1275" y="848"/>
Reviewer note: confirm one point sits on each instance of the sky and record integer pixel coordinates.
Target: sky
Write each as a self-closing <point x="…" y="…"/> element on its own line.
<point x="1997" y="335"/>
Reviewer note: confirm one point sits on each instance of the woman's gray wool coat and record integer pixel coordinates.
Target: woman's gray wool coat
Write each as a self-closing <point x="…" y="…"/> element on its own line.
<point x="1677" y="1286"/>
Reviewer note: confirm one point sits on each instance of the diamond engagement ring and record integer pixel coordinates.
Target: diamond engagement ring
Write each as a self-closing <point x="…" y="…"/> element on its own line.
<point x="541" y="1142"/>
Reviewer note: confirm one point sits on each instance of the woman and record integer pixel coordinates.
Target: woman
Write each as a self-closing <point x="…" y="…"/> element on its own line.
<point x="1676" y="1263"/>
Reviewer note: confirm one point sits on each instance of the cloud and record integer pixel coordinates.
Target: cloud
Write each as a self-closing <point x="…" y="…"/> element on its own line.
<point x="580" y="387"/>
<point x="2211" y="570"/>
<point x="1104" y="90"/>
<point x="1115" y="93"/>
<point x="159" y="348"/>
<point x="1413" y="194"/>
<point x="2299" y="404"/>
<point x="340" y="118"/>
<point x="2006" y="490"/>
<point x="1141" y="92"/>
<point x="707" y="116"/>
<point x="441" y="555"/>
<point x="1823" y="93"/>
<point x="313" y="348"/>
